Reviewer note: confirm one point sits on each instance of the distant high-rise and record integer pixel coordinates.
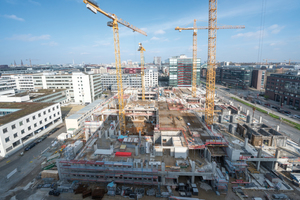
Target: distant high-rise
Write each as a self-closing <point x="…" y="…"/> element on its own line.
<point x="22" y="63"/>
<point x="157" y="61"/>
<point x="15" y="63"/>
<point x="181" y="71"/>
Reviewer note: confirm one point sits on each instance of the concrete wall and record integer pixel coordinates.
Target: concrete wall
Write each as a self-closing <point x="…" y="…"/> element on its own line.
<point x="233" y="154"/>
<point x="181" y="152"/>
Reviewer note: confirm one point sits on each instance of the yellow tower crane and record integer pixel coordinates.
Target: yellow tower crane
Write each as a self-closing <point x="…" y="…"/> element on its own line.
<point x="142" y="49"/>
<point x="195" y="28"/>
<point x="91" y="5"/>
<point x="211" y="62"/>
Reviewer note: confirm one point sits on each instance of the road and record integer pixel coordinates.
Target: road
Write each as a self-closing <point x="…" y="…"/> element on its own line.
<point x="290" y="131"/>
<point x="24" y="164"/>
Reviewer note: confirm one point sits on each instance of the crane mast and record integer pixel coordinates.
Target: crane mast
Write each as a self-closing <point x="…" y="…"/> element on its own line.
<point x="91" y="5"/>
<point x="211" y="63"/>
<point x="194" y="80"/>
<point x="141" y="49"/>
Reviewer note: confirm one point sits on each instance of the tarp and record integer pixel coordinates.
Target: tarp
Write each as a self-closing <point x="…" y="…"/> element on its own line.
<point x="122" y="136"/>
<point x="118" y="153"/>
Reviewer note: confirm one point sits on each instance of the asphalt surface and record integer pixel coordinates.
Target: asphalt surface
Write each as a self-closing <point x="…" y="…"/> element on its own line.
<point x="290" y="131"/>
<point x="24" y="164"/>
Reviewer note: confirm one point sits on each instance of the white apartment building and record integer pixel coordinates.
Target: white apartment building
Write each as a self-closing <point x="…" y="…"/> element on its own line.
<point x="151" y="77"/>
<point x="82" y="87"/>
<point x="21" y="82"/>
<point x="109" y="81"/>
<point x="21" y="123"/>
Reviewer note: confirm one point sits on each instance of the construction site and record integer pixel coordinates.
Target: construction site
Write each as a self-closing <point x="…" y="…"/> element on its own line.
<point x="170" y="142"/>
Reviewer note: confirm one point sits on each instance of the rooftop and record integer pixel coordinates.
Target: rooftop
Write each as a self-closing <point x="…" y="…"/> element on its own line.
<point x="25" y="109"/>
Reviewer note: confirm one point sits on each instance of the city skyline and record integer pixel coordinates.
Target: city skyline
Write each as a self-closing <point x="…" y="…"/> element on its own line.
<point x="62" y="31"/>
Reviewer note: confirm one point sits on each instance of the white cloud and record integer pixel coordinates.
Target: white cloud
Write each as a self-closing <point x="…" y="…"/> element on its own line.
<point x="159" y="32"/>
<point x="34" y="2"/>
<point x="14" y="17"/>
<point x="155" y="38"/>
<point x="275" y="28"/>
<point x="51" y="44"/>
<point x="250" y="35"/>
<point x="29" y="37"/>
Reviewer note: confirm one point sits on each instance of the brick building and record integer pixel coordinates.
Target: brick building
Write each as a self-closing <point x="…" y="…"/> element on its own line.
<point x="284" y="88"/>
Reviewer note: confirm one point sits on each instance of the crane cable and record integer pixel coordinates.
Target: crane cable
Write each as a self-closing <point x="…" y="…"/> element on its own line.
<point x="261" y="34"/>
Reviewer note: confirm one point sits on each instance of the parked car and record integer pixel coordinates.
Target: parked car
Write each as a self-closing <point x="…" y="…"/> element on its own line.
<point x="53" y="131"/>
<point x="296" y="116"/>
<point x="30" y="146"/>
<point x="267" y="104"/>
<point x="287" y="112"/>
<point x="279" y="196"/>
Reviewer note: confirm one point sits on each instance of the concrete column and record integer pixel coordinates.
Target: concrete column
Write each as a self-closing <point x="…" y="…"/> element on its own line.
<point x="140" y="135"/>
<point x="214" y="166"/>
<point x="95" y="147"/>
<point x="147" y="165"/>
<point x="152" y="166"/>
<point x="260" y="119"/>
<point x="106" y="134"/>
<point x="136" y="150"/>
<point x="248" y="119"/>
<point x="100" y="134"/>
<point x="231" y="119"/>
<point x="119" y="133"/>
<point x="277" y="155"/>
<point x="193" y="166"/>
<point x="111" y="147"/>
<point x="220" y="118"/>
<point x="230" y="128"/>
<point x="205" y="152"/>
<point x="246" y="143"/>
<point x="247" y="112"/>
<point x="229" y="112"/>
<point x="277" y="128"/>
<point x="156" y="166"/>
<point x="163" y="169"/>
<point x="258" y="165"/>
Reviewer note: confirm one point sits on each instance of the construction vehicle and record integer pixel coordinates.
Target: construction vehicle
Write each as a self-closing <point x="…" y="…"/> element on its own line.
<point x="92" y="5"/>
<point x="141" y="49"/>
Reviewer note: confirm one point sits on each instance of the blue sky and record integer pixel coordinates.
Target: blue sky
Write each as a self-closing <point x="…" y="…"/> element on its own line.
<point x="58" y="31"/>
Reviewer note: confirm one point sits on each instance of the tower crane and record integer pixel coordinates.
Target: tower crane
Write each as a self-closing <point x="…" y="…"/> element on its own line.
<point x="291" y="60"/>
<point x="195" y="28"/>
<point x="91" y="5"/>
<point x="211" y="62"/>
<point x="142" y="49"/>
<point x="267" y="60"/>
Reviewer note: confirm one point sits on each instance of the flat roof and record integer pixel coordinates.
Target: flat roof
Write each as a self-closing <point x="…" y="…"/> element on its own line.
<point x="25" y="109"/>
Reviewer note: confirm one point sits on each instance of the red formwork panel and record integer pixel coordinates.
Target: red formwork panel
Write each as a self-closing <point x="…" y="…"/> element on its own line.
<point x="118" y="153"/>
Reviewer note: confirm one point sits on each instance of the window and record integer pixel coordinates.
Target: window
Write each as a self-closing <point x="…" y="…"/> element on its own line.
<point x="50" y="117"/>
<point x="33" y="117"/>
<point x="53" y="108"/>
<point x="22" y="131"/>
<point x="39" y="114"/>
<point x="21" y="123"/>
<point x="27" y="120"/>
<point x="41" y="122"/>
<point x="54" y="115"/>
<point x="13" y="126"/>
<point x="58" y="112"/>
<point x="45" y="119"/>
<point x="35" y="125"/>
<point x="49" y="110"/>
<point x="15" y="135"/>
<point x="8" y="149"/>
<point x="57" y="107"/>
<point x="7" y="139"/>
<point x="44" y="112"/>
<point x="29" y="128"/>
<point x="4" y="130"/>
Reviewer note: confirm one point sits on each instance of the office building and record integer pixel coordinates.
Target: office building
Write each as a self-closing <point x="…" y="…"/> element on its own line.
<point x="235" y="77"/>
<point x="258" y="79"/>
<point x="21" y="123"/>
<point x="181" y="68"/>
<point x="151" y="77"/>
<point x="284" y="88"/>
